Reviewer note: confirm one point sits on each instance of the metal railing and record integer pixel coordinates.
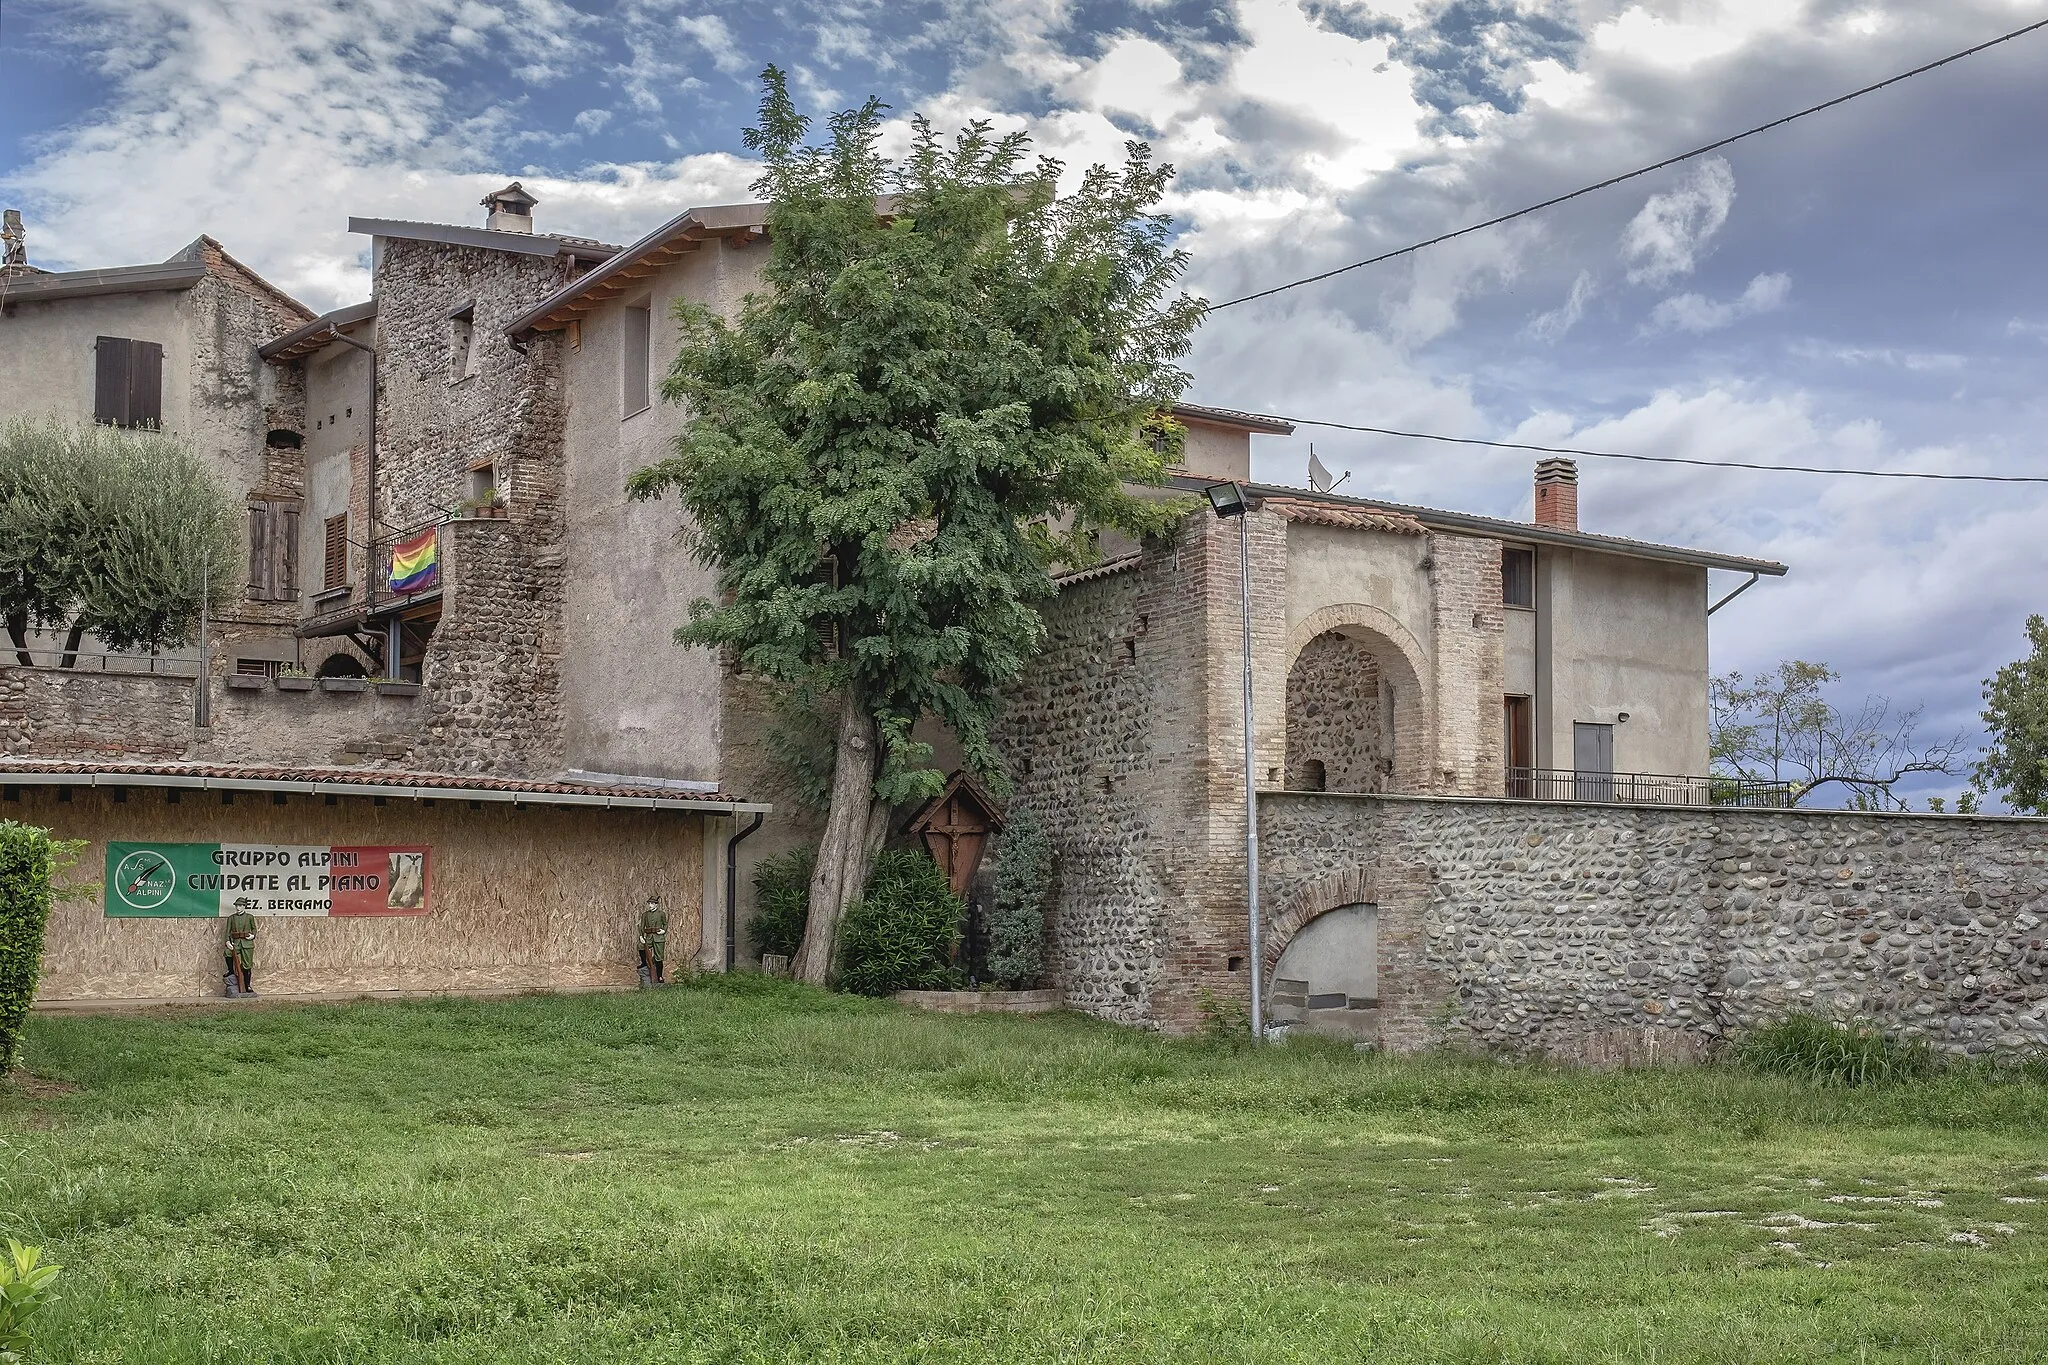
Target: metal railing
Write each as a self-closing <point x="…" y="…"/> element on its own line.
<point x="95" y="661"/>
<point x="1645" y="789"/>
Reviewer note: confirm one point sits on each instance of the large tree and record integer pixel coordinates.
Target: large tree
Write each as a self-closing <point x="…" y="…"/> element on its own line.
<point x="939" y="395"/>
<point x="1779" y="726"/>
<point x="2015" y="763"/>
<point x="117" y="534"/>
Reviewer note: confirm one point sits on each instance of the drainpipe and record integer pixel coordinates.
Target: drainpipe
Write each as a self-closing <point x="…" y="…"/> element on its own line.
<point x="732" y="876"/>
<point x="370" y="496"/>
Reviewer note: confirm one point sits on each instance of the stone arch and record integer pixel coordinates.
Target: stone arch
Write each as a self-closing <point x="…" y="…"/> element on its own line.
<point x="1332" y="891"/>
<point x="1322" y="966"/>
<point x="1358" y="701"/>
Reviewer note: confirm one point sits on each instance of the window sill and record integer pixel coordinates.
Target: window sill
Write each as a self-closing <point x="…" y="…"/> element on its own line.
<point x="1512" y="606"/>
<point x="637" y="412"/>
<point x="461" y="379"/>
<point x="328" y="597"/>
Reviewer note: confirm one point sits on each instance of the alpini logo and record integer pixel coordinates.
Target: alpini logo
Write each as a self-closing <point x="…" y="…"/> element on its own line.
<point x="144" y="880"/>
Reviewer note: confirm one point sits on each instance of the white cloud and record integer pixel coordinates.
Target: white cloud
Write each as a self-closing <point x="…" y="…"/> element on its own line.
<point x="593" y="120"/>
<point x="1665" y="239"/>
<point x="1553" y="325"/>
<point x="1697" y="313"/>
<point x="711" y="34"/>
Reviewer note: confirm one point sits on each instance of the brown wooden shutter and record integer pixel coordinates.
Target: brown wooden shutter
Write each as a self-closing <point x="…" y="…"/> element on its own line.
<point x="334" y="572"/>
<point x="145" y="384"/>
<point x="111" y="385"/>
<point x="259" y="551"/>
<point x="287" y="542"/>
<point x="273" y="551"/>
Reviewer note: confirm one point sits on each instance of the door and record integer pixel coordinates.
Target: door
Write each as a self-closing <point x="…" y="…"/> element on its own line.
<point x="1593" y="760"/>
<point x="1518" y="746"/>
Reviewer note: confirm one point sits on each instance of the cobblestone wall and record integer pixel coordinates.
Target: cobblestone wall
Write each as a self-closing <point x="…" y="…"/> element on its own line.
<point x="50" y="713"/>
<point x="1333" y="718"/>
<point x="1541" y="927"/>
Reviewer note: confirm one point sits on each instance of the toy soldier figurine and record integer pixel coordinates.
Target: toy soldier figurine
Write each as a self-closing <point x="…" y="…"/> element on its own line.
<point x="240" y="953"/>
<point x="653" y="940"/>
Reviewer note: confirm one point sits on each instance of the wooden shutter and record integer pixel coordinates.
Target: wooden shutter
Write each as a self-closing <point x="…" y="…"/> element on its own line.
<point x="273" y="551"/>
<point x="111" y="384"/>
<point x="145" y="384"/>
<point x="334" y="569"/>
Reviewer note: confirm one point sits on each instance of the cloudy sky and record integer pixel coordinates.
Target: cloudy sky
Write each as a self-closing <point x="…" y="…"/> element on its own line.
<point x="1862" y="288"/>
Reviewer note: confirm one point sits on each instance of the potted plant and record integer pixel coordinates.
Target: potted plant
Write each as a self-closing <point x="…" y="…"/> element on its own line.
<point x="487" y="507"/>
<point x="397" y="687"/>
<point x="292" y="678"/>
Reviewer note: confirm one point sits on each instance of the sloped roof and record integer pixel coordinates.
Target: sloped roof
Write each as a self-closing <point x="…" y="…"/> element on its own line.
<point x="492" y="239"/>
<point x="317" y="334"/>
<point x="680" y="235"/>
<point x="357" y="782"/>
<point x="1360" y="518"/>
<point x="1231" y="417"/>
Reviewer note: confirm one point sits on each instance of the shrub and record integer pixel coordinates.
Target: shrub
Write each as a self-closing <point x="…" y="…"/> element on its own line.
<point x="782" y="902"/>
<point x="1834" y="1053"/>
<point x="899" y="935"/>
<point x="24" y="1291"/>
<point x="29" y="859"/>
<point x="1016" y="924"/>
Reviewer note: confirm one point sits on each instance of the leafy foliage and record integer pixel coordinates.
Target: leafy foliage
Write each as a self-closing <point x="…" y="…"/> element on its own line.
<point x="899" y="935"/>
<point x="29" y="861"/>
<point x="1778" y="727"/>
<point x="25" y="1289"/>
<point x="106" y="532"/>
<point x="2015" y="764"/>
<point x="940" y="393"/>
<point x="1834" y="1053"/>
<point x="782" y="901"/>
<point x="1016" y="923"/>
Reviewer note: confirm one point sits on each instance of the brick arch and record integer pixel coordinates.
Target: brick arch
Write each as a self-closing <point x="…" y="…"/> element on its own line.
<point x="1331" y="891"/>
<point x="1402" y="667"/>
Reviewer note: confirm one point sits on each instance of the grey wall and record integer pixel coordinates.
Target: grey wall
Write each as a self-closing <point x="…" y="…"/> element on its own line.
<point x="46" y="352"/>
<point x="337" y="423"/>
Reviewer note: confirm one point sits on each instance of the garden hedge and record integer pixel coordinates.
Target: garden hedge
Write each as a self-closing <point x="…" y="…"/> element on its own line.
<point x="28" y="861"/>
<point x="899" y="935"/>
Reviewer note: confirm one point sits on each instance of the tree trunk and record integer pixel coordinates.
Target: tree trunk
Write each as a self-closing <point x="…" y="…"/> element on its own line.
<point x="17" y="631"/>
<point x="854" y="827"/>
<point x="71" y="642"/>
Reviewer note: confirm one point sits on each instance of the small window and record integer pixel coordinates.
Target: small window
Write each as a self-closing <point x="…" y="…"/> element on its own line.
<point x="461" y="354"/>
<point x="128" y="382"/>
<point x="257" y="668"/>
<point x="1314" y="777"/>
<point x="634" y="349"/>
<point x="1517" y="576"/>
<point x="334" y="567"/>
<point x="483" y="484"/>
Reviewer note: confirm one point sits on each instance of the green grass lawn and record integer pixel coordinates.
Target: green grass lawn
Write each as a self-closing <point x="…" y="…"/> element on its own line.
<point x="745" y="1170"/>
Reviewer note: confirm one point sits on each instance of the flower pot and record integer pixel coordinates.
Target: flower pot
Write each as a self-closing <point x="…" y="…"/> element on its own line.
<point x="293" y="684"/>
<point x="398" y="689"/>
<point x="246" y="682"/>
<point x="344" y="684"/>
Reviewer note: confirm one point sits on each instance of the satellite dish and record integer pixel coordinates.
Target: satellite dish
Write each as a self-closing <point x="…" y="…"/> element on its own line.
<point x="1319" y="479"/>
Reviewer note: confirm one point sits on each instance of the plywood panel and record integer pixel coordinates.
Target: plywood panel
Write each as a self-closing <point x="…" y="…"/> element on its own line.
<point x="538" y="898"/>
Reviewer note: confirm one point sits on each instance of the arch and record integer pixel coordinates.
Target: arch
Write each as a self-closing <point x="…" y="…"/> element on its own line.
<point x="1318" y="896"/>
<point x="1379" y="720"/>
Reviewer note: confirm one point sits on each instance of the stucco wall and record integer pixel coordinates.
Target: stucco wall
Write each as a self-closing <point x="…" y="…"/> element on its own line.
<point x="337" y="382"/>
<point x="636" y="702"/>
<point x="1554" y="927"/>
<point x="534" y="899"/>
<point x="47" y="362"/>
<point x="1215" y="452"/>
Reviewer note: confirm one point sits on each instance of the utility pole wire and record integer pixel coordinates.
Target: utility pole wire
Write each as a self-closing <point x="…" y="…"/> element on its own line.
<point x="1671" y="459"/>
<point x="1631" y="175"/>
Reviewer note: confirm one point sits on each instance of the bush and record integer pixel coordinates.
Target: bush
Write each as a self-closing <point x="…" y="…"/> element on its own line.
<point x="899" y="935"/>
<point x="1016" y="925"/>
<point x="24" y="1292"/>
<point x="782" y="902"/>
<point x="1831" y="1053"/>
<point x="29" y="859"/>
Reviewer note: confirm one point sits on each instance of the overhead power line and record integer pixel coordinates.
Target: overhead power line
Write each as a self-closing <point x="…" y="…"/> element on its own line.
<point x="1672" y="459"/>
<point x="1631" y="175"/>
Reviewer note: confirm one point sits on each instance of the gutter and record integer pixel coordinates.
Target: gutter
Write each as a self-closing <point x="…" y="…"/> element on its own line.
<point x="732" y="894"/>
<point x="200" y="782"/>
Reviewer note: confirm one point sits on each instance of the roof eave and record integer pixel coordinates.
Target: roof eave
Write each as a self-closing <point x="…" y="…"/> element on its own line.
<point x="91" y="777"/>
<point x="165" y="277"/>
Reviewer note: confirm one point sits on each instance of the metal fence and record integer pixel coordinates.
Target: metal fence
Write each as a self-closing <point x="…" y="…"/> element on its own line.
<point x="94" y="661"/>
<point x="1645" y="789"/>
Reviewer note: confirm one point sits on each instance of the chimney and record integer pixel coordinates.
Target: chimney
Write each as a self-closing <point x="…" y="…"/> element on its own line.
<point x="511" y="209"/>
<point x="13" y="242"/>
<point x="1557" y="494"/>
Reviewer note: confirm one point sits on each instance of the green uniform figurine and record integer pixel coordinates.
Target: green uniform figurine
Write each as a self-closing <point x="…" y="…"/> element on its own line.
<point x="239" y="953"/>
<point x="653" y="939"/>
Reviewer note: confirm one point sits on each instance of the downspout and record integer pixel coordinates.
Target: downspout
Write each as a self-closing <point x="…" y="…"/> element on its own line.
<point x="370" y="493"/>
<point x="732" y="901"/>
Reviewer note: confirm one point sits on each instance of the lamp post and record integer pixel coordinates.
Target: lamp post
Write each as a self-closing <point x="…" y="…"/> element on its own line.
<point x="1227" y="500"/>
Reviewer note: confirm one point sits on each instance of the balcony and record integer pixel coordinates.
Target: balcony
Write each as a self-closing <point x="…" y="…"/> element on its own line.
<point x="1646" y="789"/>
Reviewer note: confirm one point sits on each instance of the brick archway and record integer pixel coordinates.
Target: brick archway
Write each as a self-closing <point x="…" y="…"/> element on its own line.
<point x="1331" y="891"/>
<point x="1401" y="672"/>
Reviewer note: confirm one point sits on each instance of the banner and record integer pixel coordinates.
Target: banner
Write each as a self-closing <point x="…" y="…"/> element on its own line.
<point x="206" y="881"/>
<point x="414" y="563"/>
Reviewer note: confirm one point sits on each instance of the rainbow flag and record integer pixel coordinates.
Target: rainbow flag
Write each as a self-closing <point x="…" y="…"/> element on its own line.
<point x="413" y="565"/>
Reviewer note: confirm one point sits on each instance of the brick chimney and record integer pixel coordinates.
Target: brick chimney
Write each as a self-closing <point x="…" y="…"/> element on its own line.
<point x="511" y="209"/>
<point x="1557" y="494"/>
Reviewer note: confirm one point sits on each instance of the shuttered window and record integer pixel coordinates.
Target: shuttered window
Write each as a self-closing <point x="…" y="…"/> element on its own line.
<point x="128" y="382"/>
<point x="334" y="566"/>
<point x="634" y="352"/>
<point x="273" y="551"/>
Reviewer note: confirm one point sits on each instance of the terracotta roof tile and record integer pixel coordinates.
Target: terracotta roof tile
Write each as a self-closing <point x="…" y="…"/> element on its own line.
<point x="1356" y="518"/>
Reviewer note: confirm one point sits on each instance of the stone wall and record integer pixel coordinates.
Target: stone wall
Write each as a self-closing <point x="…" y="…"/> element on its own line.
<point x="53" y="713"/>
<point x="1333" y="718"/>
<point x="1557" y="927"/>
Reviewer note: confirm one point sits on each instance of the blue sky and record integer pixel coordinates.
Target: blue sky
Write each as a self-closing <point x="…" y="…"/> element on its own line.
<point x="1863" y="288"/>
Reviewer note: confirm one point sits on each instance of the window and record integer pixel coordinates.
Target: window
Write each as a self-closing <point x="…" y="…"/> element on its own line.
<point x="1518" y="745"/>
<point x="273" y="551"/>
<point x="461" y="333"/>
<point x="258" y="668"/>
<point x="634" y="349"/>
<point x="1314" y="777"/>
<point x="128" y="382"/>
<point x="1517" y="576"/>
<point x="483" y="484"/>
<point x="334" y="554"/>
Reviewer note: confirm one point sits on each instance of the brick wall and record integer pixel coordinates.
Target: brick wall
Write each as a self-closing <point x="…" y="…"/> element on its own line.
<point x="1556" y="927"/>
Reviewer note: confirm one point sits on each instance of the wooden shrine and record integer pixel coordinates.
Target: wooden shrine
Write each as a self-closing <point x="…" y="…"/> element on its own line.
<point x="955" y="827"/>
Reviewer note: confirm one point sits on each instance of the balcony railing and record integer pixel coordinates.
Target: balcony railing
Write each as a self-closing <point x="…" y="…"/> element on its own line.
<point x="97" y="661"/>
<point x="1645" y="789"/>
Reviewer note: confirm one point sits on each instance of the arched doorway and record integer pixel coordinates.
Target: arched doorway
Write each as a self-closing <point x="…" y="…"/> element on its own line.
<point x="1327" y="978"/>
<point x="1339" y="728"/>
